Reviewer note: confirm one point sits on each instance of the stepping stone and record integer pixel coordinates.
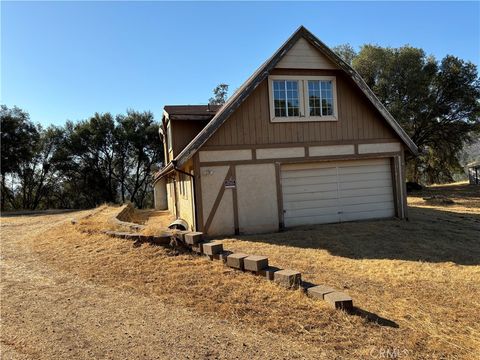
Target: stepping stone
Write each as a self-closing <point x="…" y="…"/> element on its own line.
<point x="268" y="272"/>
<point x="339" y="300"/>
<point x="212" y="248"/>
<point x="320" y="291"/>
<point x="255" y="263"/>
<point x="181" y="235"/>
<point x="236" y="260"/>
<point x="193" y="238"/>
<point x="288" y="278"/>
<point x="197" y="248"/>
<point x="222" y="256"/>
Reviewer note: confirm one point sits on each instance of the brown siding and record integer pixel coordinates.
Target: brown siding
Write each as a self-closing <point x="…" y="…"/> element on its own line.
<point x="183" y="131"/>
<point x="250" y="123"/>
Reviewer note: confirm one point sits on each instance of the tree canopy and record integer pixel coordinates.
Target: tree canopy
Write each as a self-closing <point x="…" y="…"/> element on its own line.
<point x="220" y="94"/>
<point x="82" y="164"/>
<point x="436" y="102"/>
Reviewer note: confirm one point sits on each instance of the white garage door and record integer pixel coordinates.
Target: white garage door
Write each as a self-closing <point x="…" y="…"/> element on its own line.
<point x="328" y="192"/>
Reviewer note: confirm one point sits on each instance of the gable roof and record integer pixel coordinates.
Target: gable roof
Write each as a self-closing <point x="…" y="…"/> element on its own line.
<point x="263" y="71"/>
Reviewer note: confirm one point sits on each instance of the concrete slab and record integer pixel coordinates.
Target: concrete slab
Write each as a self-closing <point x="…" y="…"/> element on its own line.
<point x="320" y="291"/>
<point x="288" y="278"/>
<point x="255" y="263"/>
<point x="236" y="260"/>
<point x="193" y="238"/>
<point x="339" y="300"/>
<point x="212" y="248"/>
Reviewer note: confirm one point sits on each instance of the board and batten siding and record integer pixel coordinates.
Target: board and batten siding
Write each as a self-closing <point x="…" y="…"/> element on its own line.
<point x="250" y="124"/>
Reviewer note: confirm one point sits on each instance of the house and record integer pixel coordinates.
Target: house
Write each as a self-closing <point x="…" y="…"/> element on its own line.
<point x="473" y="170"/>
<point x="303" y="141"/>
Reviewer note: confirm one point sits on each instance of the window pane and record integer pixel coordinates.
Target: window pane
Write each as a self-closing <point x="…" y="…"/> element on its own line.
<point x="285" y="98"/>
<point x="314" y="97"/>
<point x="292" y="98"/>
<point x="320" y="97"/>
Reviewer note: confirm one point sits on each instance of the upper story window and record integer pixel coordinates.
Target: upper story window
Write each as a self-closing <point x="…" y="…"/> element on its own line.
<point x="285" y="98"/>
<point x="302" y="98"/>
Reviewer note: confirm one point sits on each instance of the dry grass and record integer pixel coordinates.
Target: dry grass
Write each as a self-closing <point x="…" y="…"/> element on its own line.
<point x="414" y="282"/>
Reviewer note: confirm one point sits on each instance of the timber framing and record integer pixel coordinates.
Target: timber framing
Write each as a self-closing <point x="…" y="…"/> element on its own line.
<point x="263" y="72"/>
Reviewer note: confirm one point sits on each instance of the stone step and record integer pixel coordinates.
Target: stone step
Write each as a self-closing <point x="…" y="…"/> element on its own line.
<point x="236" y="260"/>
<point x="193" y="238"/>
<point x="319" y="291"/>
<point x="288" y="278"/>
<point x="268" y="272"/>
<point x="339" y="300"/>
<point x="255" y="263"/>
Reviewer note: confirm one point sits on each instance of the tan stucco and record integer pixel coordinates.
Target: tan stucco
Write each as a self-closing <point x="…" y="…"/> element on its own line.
<point x="185" y="204"/>
<point x="160" y="194"/>
<point x="225" y="155"/>
<point x="379" y="148"/>
<point x="223" y="223"/>
<point x="331" y="150"/>
<point x="212" y="178"/>
<point x="278" y="153"/>
<point x="257" y="198"/>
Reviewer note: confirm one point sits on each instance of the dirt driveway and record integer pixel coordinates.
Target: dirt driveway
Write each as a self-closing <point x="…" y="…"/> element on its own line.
<point x="51" y="314"/>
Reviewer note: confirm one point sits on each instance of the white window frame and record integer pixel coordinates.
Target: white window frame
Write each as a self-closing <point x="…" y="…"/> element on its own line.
<point x="302" y="99"/>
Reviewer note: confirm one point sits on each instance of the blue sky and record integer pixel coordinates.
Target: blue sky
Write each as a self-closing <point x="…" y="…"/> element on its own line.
<point x="67" y="60"/>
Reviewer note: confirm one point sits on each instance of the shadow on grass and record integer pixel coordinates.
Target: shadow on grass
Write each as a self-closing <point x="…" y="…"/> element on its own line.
<point x="429" y="235"/>
<point x="369" y="316"/>
<point x="373" y="318"/>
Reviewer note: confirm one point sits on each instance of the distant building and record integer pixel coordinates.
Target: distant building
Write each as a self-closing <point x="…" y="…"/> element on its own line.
<point x="474" y="172"/>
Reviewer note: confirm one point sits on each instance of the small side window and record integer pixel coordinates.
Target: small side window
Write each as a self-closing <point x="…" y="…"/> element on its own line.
<point x="169" y="136"/>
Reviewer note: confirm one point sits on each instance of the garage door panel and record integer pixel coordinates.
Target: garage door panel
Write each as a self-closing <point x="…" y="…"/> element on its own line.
<point x="309" y="188"/>
<point x="367" y="184"/>
<point x="320" y="195"/>
<point x="362" y="169"/>
<point x="312" y="211"/>
<point x="312" y="220"/>
<point x="310" y="180"/>
<point x="364" y="192"/>
<point x="310" y="204"/>
<point x="365" y="176"/>
<point x="295" y="174"/>
<point x="354" y="208"/>
<point x="365" y="200"/>
<point x="337" y="191"/>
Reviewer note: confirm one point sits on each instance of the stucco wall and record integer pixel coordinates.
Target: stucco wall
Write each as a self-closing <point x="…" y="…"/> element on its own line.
<point x="223" y="223"/>
<point x="160" y="195"/>
<point x="257" y="198"/>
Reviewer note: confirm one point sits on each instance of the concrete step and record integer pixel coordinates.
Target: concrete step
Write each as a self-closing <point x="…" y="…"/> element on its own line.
<point x="288" y="278"/>
<point x="255" y="263"/>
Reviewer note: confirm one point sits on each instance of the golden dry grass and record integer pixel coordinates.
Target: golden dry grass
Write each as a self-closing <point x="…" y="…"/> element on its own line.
<point x="416" y="283"/>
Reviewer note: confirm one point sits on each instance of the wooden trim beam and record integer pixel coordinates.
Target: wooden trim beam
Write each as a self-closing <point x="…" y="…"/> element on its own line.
<point x="302" y="159"/>
<point x="281" y="223"/>
<point x="235" y="201"/>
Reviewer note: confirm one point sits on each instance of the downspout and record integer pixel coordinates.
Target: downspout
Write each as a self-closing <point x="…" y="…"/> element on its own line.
<point x="194" y="193"/>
